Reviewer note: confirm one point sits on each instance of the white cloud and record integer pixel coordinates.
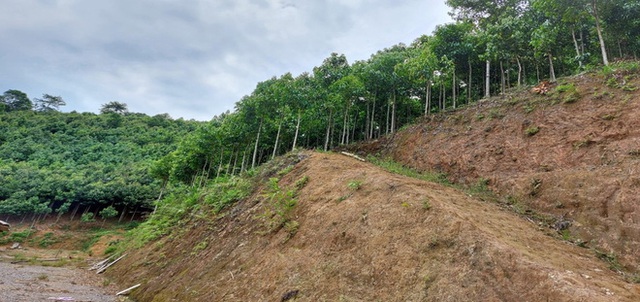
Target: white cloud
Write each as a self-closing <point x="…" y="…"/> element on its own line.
<point x="189" y="58"/>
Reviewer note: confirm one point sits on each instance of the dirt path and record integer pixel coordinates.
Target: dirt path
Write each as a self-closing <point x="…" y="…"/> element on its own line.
<point x="28" y="283"/>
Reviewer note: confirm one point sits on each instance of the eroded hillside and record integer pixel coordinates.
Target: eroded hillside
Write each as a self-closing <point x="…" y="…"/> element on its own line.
<point x="358" y="233"/>
<point x="573" y="154"/>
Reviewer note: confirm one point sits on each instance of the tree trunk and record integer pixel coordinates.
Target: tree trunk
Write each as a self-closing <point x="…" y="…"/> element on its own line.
<point x="373" y="114"/>
<point x="393" y="112"/>
<point x="220" y="163"/>
<point x="453" y="89"/>
<point x="345" y="126"/>
<point x="519" y="71"/>
<point x="367" y="122"/>
<point x="155" y="208"/>
<point x="326" y="139"/>
<point x="575" y="44"/>
<point x="487" y="84"/>
<point x="502" y="79"/>
<point x="235" y="163"/>
<point x="388" y="114"/>
<point x="427" y="101"/>
<point x="255" y="149"/>
<point x="295" y="137"/>
<point x="243" y="166"/>
<point x="552" y="73"/>
<point x="469" y="83"/>
<point x="275" y="146"/>
<point x="605" y="60"/>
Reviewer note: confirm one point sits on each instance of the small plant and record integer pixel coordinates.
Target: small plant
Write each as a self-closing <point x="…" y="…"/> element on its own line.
<point x="354" y="185"/>
<point x="300" y="183"/>
<point x="291" y="227"/>
<point x="565" y="87"/>
<point x="280" y="205"/>
<point x="426" y="205"/>
<point x="608" y="117"/>
<point x="496" y="114"/>
<point x="199" y="247"/>
<point x="285" y="171"/>
<point x="611" y="259"/>
<point x="87" y="217"/>
<point x="43" y="277"/>
<point x="528" y="108"/>
<point x="47" y="240"/>
<point x="531" y="131"/>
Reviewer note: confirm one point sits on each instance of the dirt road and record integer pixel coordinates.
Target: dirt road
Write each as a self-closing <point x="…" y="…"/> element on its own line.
<point x="29" y="283"/>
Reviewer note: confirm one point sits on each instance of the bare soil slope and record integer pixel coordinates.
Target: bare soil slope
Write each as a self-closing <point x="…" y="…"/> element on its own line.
<point x="574" y="153"/>
<point x="365" y="234"/>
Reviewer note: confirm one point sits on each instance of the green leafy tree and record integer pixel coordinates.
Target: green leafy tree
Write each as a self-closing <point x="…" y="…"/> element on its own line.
<point x="15" y="100"/>
<point x="114" y="107"/>
<point x="49" y="103"/>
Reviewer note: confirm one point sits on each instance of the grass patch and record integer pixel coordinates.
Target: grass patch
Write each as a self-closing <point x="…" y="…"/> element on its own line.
<point x="531" y="131"/>
<point x="398" y="168"/>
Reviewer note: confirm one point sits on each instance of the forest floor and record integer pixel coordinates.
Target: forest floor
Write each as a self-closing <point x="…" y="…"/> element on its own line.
<point x="50" y="265"/>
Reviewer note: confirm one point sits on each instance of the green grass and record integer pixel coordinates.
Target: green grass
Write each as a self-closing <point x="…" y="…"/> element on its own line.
<point x="398" y="168"/>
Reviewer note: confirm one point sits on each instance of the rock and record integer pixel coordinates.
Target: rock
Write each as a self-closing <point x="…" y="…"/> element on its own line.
<point x="4" y="226"/>
<point x="15" y="245"/>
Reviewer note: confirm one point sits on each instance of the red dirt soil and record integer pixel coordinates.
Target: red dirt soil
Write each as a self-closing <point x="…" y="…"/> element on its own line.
<point x="572" y="154"/>
<point x="365" y="234"/>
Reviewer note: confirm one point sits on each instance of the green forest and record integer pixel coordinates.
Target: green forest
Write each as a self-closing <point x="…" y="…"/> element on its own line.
<point x="78" y="163"/>
<point x="53" y="162"/>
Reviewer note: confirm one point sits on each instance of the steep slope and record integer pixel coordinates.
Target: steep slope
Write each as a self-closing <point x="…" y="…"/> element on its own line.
<point x="573" y="153"/>
<point x="364" y="234"/>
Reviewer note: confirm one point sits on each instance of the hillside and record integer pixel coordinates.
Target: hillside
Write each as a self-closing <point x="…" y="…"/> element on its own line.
<point x="572" y="154"/>
<point x="364" y="234"/>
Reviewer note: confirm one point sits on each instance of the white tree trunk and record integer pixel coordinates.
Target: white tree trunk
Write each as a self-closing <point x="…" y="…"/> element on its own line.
<point x="275" y="146"/>
<point x="552" y="72"/>
<point x="487" y="86"/>
<point x="295" y="137"/>
<point x="603" y="48"/>
<point x="255" y="148"/>
<point x="575" y="44"/>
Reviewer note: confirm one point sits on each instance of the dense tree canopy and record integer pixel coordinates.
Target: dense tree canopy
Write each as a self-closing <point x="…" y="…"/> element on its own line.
<point x="53" y="162"/>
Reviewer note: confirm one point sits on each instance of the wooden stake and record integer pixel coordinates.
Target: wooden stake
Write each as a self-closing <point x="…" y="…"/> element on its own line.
<point x="126" y="291"/>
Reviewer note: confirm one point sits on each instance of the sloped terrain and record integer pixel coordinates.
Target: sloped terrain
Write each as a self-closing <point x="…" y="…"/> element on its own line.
<point x="573" y="154"/>
<point x="364" y="234"/>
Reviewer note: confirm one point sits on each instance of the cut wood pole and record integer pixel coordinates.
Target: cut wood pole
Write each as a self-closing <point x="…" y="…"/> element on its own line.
<point x="110" y="264"/>
<point x="353" y="155"/>
<point x="126" y="291"/>
<point x="100" y="264"/>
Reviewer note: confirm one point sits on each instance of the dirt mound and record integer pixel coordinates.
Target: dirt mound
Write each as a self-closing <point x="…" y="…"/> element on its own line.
<point x="363" y="234"/>
<point x="573" y="153"/>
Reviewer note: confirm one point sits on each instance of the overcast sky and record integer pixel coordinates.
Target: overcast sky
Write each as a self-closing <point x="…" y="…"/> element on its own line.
<point x="189" y="58"/>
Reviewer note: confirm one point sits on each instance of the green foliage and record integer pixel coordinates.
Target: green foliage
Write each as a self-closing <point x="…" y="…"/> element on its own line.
<point x="55" y="162"/>
<point x="16" y="236"/>
<point x="108" y="212"/>
<point x="532" y="130"/>
<point x="280" y="203"/>
<point x="354" y="185"/>
<point x="87" y="217"/>
<point x="426" y="205"/>
<point x="398" y="168"/>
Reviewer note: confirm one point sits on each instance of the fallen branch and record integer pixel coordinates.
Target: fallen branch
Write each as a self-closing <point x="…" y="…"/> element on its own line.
<point x="353" y="155"/>
<point x="110" y="264"/>
<point x="100" y="264"/>
<point x="126" y="291"/>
